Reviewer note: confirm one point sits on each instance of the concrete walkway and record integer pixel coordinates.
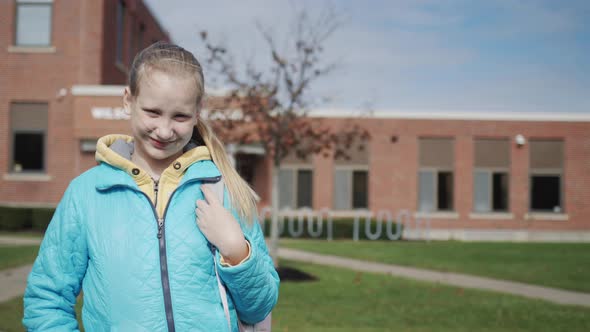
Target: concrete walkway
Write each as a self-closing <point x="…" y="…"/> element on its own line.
<point x="453" y="279"/>
<point x="13" y="281"/>
<point x="19" y="241"/>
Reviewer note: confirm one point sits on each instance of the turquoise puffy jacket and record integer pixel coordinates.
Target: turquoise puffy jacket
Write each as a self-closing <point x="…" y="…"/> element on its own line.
<point x="104" y="240"/>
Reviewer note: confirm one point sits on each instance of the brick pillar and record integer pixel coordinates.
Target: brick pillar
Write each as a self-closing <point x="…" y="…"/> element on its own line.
<point x="323" y="181"/>
<point x="519" y="179"/>
<point x="463" y="176"/>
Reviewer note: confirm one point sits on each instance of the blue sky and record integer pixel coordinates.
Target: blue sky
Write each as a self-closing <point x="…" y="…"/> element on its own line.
<point x="419" y="55"/>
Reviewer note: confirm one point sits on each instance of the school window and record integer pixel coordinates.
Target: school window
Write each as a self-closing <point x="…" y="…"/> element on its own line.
<point x="491" y="175"/>
<point x="351" y="188"/>
<point x="33" y="23"/>
<point x="295" y="187"/>
<point x="351" y="178"/>
<point x="28" y="122"/>
<point x="546" y="176"/>
<point x="436" y="176"/>
<point x="120" y="31"/>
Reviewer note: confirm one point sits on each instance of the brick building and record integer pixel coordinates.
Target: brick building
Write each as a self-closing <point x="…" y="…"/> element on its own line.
<point x="47" y="47"/>
<point x="512" y="176"/>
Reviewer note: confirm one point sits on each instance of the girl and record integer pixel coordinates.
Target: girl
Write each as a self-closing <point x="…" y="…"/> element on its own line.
<point x="125" y="230"/>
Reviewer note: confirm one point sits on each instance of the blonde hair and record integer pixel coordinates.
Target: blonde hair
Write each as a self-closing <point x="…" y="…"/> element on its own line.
<point x="175" y="59"/>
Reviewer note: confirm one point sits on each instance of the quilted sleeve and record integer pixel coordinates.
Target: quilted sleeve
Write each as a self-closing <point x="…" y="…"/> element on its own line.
<point x="254" y="283"/>
<point x="56" y="278"/>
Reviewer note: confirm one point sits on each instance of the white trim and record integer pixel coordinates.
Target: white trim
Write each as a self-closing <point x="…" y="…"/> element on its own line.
<point x="31" y="49"/>
<point x="352" y="167"/>
<point x="546" y="216"/>
<point x="109" y="90"/>
<point x="98" y="90"/>
<point x="27" y="177"/>
<point x="117" y="90"/>
<point x="35" y="1"/>
<point x="453" y="115"/>
<point x="491" y="215"/>
<point x="437" y="215"/>
<point x="296" y="167"/>
<point x="255" y="149"/>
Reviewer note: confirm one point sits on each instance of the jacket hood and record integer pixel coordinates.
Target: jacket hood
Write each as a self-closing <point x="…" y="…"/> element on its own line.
<point x="115" y="151"/>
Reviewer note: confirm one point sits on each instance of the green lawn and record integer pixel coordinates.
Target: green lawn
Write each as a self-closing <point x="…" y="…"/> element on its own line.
<point x="343" y="300"/>
<point x="561" y="265"/>
<point x="12" y="256"/>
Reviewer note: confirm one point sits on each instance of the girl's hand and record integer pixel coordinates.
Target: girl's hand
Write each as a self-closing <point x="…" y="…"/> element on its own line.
<point x="221" y="228"/>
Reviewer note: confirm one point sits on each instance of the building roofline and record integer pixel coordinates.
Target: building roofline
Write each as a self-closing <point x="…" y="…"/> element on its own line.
<point x="117" y="91"/>
<point x="453" y="115"/>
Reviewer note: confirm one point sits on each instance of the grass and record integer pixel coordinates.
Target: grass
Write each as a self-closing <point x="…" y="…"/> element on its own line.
<point x="12" y="256"/>
<point x="343" y="300"/>
<point x="560" y="265"/>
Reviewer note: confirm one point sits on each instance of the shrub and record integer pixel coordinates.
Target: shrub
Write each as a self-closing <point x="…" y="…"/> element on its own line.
<point x="342" y="228"/>
<point x="13" y="219"/>
<point x="25" y="218"/>
<point x="41" y="218"/>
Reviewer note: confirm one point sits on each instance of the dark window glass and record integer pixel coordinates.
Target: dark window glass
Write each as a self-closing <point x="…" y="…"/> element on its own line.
<point x="445" y="191"/>
<point x="500" y="192"/>
<point x="359" y="189"/>
<point x="28" y="152"/>
<point x="304" y="188"/>
<point x="120" y="30"/>
<point x="545" y="193"/>
<point x="245" y="165"/>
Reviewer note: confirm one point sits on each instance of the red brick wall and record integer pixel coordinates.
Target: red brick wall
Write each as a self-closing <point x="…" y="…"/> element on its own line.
<point x="393" y="180"/>
<point x="136" y="13"/>
<point x="83" y="55"/>
<point x="38" y="77"/>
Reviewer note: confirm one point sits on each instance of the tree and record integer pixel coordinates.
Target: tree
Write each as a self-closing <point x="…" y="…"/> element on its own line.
<point x="273" y="103"/>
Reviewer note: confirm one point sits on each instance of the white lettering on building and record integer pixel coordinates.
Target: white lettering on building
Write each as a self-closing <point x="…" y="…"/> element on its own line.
<point x="109" y="113"/>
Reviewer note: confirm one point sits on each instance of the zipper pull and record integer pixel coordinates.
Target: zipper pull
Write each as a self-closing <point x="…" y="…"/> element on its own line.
<point x="160" y="225"/>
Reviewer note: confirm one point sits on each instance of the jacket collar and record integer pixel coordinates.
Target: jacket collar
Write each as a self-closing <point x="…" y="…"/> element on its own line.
<point x="114" y="157"/>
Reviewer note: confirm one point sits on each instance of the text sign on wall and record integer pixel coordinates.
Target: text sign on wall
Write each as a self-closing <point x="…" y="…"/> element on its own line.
<point x="109" y="113"/>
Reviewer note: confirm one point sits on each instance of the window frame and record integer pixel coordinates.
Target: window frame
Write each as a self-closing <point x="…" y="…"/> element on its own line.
<point x="490" y="173"/>
<point x="295" y="185"/>
<point x="43" y="133"/>
<point x="547" y="172"/>
<point x="436" y="171"/>
<point x="351" y="169"/>
<point x="39" y="3"/>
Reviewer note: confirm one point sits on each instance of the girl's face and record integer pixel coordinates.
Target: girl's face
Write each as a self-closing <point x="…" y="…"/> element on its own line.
<point x="163" y="115"/>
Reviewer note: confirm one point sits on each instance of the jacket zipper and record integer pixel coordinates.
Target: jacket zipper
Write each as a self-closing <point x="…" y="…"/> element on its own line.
<point x="162" y="250"/>
<point x="160" y="220"/>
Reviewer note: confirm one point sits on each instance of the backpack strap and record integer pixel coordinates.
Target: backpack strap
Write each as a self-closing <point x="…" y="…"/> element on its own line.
<point x="218" y="188"/>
